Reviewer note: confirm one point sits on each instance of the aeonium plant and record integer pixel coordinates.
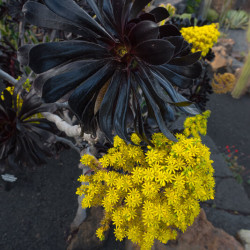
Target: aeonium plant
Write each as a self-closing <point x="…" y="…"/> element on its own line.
<point x="26" y="137"/>
<point x="121" y="61"/>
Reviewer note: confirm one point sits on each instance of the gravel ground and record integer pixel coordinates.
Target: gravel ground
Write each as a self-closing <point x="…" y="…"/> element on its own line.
<point x="36" y="213"/>
<point x="229" y="125"/>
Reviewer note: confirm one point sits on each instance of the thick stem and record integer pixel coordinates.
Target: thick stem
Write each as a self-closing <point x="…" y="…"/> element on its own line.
<point x="71" y="131"/>
<point x="7" y="77"/>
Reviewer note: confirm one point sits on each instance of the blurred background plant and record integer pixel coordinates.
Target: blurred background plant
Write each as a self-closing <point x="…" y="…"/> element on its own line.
<point x="223" y="83"/>
<point x="244" y="78"/>
<point x="236" y="19"/>
<point x="193" y="6"/>
<point x="232" y="156"/>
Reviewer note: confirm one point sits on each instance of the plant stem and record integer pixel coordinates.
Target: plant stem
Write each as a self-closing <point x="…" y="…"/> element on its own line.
<point x="7" y="77"/>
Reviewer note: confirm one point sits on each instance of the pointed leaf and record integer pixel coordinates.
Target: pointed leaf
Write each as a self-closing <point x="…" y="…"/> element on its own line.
<point x="175" y="96"/>
<point x="155" y="108"/>
<point x="83" y="94"/>
<point x="49" y="55"/>
<point x="68" y="9"/>
<point x="181" y="104"/>
<point x="186" y="60"/>
<point x="155" y="52"/>
<point x="88" y="116"/>
<point x="176" y="79"/>
<point x="121" y="109"/>
<point x="58" y="86"/>
<point x="108" y="105"/>
<point x="117" y="10"/>
<point x="190" y="71"/>
<point x="39" y="15"/>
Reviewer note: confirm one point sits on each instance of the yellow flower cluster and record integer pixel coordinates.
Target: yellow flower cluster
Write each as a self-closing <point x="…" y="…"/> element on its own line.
<point x="202" y="38"/>
<point x="196" y="124"/>
<point x="223" y="84"/>
<point x="149" y="195"/>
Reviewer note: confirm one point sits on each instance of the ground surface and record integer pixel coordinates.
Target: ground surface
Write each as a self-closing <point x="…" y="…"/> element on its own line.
<point x="229" y="125"/>
<point x="36" y="213"/>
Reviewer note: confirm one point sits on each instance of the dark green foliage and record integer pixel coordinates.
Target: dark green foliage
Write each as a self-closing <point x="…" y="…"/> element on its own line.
<point x="193" y="6"/>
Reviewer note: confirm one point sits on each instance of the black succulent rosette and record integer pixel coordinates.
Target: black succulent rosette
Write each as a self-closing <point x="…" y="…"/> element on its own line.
<point x="26" y="139"/>
<point x="201" y="90"/>
<point x="121" y="60"/>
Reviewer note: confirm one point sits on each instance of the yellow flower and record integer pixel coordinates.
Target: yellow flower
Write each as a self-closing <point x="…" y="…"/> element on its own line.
<point x="133" y="199"/>
<point x="202" y="38"/>
<point x="150" y="189"/>
<point x="100" y="233"/>
<point x="135" y="139"/>
<point x="120" y="233"/>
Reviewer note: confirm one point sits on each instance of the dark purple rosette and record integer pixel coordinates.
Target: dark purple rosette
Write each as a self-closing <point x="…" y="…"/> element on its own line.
<point x="122" y="61"/>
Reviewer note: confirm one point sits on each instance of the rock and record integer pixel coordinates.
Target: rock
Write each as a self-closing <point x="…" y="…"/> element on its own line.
<point x="220" y="166"/>
<point x="200" y="236"/>
<point x="221" y="60"/>
<point x="237" y="73"/>
<point x="210" y="143"/>
<point x="236" y="64"/>
<point x="86" y="238"/>
<point x="240" y="56"/>
<point x="229" y="222"/>
<point x="228" y="43"/>
<point x="244" y="237"/>
<point x="240" y="38"/>
<point x="80" y="215"/>
<point x="230" y="195"/>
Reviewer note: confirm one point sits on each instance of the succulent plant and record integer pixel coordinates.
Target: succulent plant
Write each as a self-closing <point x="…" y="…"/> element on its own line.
<point x="121" y="58"/>
<point x="25" y="139"/>
<point x="236" y="19"/>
